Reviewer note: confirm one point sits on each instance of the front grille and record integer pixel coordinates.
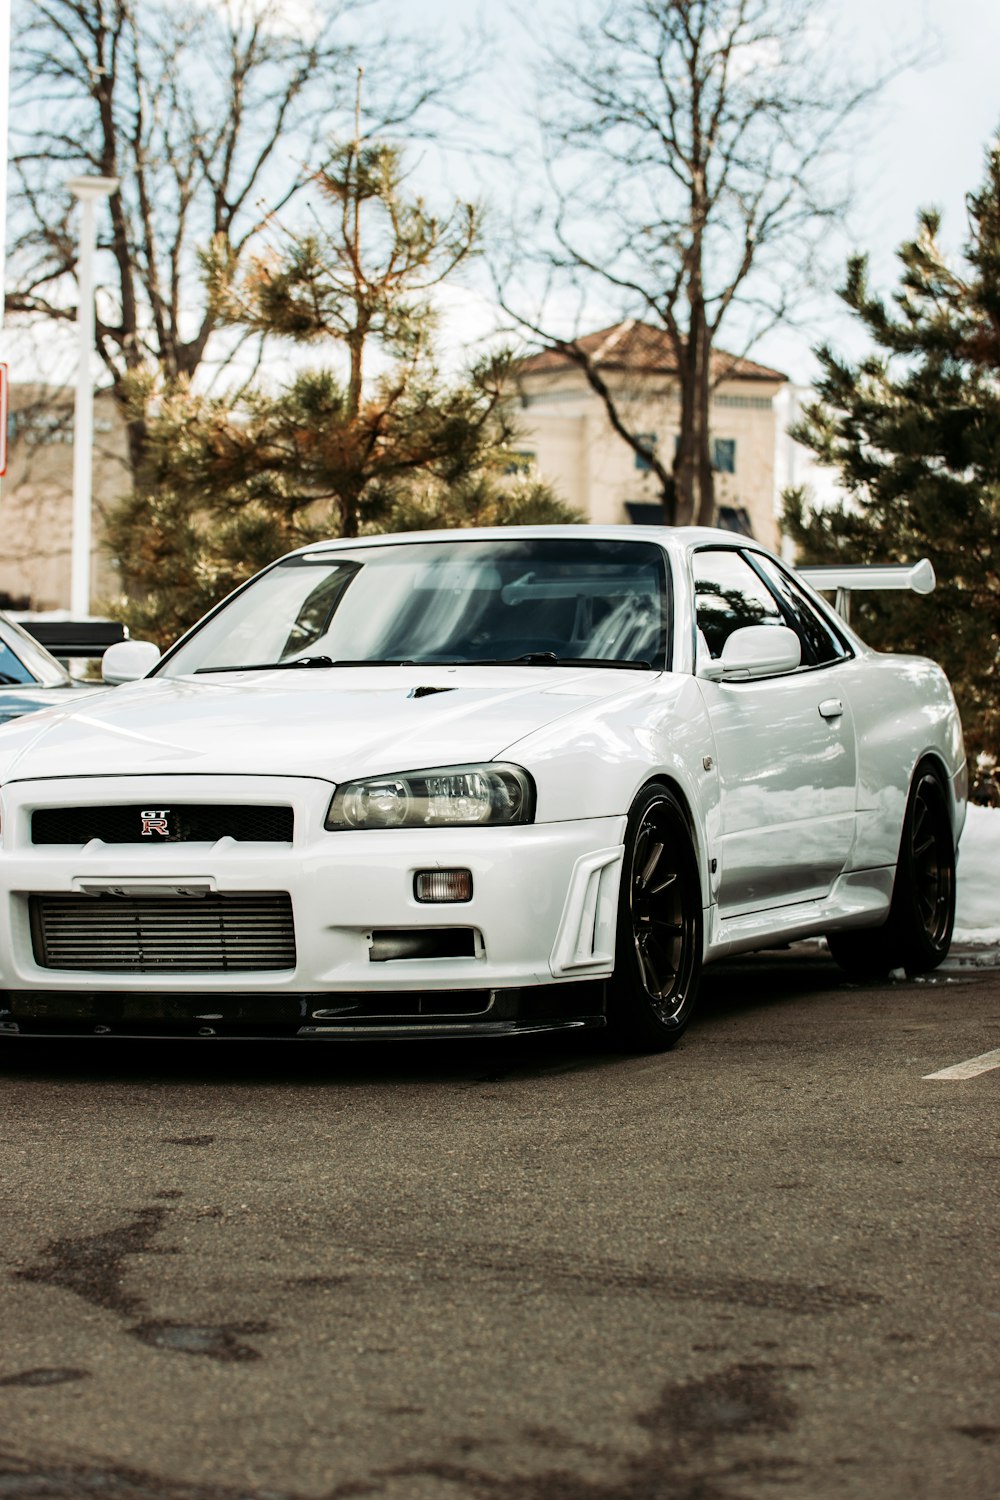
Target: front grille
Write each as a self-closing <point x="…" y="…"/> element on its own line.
<point x="188" y="823"/>
<point x="156" y="934"/>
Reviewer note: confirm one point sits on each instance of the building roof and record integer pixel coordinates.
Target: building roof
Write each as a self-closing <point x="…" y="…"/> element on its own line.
<point x="636" y="346"/>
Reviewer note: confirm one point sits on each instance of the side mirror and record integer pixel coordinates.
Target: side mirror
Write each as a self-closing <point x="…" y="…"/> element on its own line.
<point x="127" y="661"/>
<point x="755" y="651"/>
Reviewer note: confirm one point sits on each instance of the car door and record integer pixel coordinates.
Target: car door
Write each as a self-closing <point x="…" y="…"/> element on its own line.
<point x="784" y="745"/>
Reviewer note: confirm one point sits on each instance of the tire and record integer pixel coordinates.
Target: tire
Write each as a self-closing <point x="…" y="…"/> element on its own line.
<point x="654" y="988"/>
<point x="916" y="935"/>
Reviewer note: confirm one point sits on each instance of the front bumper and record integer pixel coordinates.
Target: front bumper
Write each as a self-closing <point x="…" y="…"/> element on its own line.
<point x="535" y="942"/>
<point x="406" y="1015"/>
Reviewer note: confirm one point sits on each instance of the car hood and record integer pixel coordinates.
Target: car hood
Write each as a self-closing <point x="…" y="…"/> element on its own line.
<point x="335" y="724"/>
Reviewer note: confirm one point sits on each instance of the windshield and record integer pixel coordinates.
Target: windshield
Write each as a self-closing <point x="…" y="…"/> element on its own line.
<point x="552" y="599"/>
<point x="22" y="659"/>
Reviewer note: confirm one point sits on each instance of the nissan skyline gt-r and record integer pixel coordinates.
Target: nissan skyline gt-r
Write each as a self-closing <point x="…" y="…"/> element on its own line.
<point x="476" y="783"/>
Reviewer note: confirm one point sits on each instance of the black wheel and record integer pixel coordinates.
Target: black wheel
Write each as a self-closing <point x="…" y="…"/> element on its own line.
<point x="658" y="951"/>
<point x="917" y="933"/>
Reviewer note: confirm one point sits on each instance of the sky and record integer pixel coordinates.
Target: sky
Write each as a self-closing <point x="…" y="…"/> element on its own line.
<point x="924" y="145"/>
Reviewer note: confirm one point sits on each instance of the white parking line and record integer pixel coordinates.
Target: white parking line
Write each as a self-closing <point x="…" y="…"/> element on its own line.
<point x="971" y="1068"/>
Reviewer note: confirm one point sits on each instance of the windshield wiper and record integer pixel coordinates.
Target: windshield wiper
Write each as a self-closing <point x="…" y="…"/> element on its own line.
<point x="550" y="659"/>
<point x="529" y="659"/>
<point x="309" y="661"/>
<point x="273" y="666"/>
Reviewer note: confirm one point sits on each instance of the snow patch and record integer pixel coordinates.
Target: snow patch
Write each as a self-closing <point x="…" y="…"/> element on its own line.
<point x="977" y="919"/>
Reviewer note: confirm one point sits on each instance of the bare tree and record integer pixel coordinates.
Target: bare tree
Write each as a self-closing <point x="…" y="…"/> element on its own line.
<point x="206" y="113"/>
<point x="689" y="147"/>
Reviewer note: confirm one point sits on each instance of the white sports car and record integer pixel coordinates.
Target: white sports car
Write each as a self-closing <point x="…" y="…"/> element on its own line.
<point x="475" y="783"/>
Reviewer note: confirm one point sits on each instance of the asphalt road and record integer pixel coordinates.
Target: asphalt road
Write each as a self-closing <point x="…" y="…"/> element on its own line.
<point x="764" y="1264"/>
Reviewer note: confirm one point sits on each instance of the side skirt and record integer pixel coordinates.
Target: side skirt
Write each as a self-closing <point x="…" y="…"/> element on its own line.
<point x="858" y="899"/>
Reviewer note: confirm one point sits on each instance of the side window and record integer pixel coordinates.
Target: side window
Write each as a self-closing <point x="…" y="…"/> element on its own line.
<point x="729" y="595"/>
<point x="820" y="645"/>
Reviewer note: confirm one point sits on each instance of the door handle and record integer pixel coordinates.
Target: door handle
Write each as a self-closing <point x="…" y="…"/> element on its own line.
<point x="831" y="708"/>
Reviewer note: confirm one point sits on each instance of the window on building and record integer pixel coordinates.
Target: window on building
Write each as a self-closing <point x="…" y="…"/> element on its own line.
<point x="648" y="441"/>
<point x="724" y="455"/>
<point x="745" y="403"/>
<point x="37" y="426"/>
<point x="644" y="512"/>
<point x="520" y="461"/>
<point x="735" y="518"/>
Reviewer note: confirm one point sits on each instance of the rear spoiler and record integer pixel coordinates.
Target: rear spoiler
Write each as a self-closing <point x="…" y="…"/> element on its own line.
<point x="919" y="577"/>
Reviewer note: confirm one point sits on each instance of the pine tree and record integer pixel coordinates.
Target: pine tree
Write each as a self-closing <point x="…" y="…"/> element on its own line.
<point x="230" y="482"/>
<point x="914" y="430"/>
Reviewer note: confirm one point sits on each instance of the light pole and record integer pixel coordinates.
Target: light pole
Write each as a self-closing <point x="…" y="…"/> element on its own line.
<point x="4" y="116"/>
<point x="88" y="190"/>
<point x="4" y="113"/>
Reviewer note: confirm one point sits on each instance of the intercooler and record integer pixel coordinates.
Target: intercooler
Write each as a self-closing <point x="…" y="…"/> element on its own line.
<point x="154" y="934"/>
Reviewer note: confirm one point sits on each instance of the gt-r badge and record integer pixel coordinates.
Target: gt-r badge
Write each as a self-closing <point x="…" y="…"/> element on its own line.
<point x="154" y="822"/>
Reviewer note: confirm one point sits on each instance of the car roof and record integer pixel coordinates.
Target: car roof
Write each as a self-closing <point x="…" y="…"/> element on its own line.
<point x="674" y="539"/>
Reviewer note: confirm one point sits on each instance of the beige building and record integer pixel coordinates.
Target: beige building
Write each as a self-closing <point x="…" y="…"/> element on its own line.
<point x="36" y="497"/>
<point x="567" y="439"/>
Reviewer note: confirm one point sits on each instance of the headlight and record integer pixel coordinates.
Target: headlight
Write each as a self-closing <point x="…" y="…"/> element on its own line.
<point x="446" y="797"/>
